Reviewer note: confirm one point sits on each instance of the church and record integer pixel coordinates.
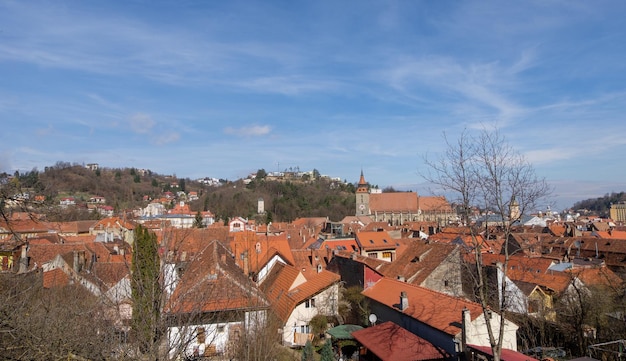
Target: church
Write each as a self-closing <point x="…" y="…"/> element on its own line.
<point x="396" y="208"/>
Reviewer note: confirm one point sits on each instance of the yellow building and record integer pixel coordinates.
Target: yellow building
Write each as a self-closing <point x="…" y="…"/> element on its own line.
<point x="618" y="212"/>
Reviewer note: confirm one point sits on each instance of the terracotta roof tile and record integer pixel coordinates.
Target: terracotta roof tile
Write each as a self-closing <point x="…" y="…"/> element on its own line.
<point x="390" y="342"/>
<point x="418" y="261"/>
<point x="505" y="354"/>
<point x="213" y="282"/>
<point x="398" y="201"/>
<point x="434" y="204"/>
<point x="55" y="278"/>
<point x="375" y="240"/>
<point x="284" y="292"/>
<point x="440" y="311"/>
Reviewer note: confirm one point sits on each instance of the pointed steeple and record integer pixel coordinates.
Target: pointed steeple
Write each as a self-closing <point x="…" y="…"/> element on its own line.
<point x="362" y="187"/>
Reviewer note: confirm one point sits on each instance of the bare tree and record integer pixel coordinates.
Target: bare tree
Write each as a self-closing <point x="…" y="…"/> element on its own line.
<point x="484" y="171"/>
<point x="37" y="323"/>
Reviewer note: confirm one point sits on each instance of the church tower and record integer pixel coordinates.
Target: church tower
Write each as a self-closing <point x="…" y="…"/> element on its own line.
<point x="362" y="197"/>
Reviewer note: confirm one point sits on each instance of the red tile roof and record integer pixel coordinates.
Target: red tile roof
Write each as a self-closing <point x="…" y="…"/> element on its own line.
<point x="440" y="311"/>
<point x="55" y="278"/>
<point x="506" y="354"/>
<point x="212" y="282"/>
<point x="397" y="201"/>
<point x="284" y="296"/>
<point x="375" y="240"/>
<point x="418" y="261"/>
<point x="390" y="342"/>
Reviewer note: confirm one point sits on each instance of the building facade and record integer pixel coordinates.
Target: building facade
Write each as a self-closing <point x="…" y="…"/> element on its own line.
<point x="396" y="208"/>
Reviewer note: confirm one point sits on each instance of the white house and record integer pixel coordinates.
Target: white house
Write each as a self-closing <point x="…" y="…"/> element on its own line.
<point x="212" y="305"/>
<point x="447" y="322"/>
<point x="296" y="300"/>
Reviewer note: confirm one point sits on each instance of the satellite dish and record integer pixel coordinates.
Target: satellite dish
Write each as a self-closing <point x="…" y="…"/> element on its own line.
<point x="373" y="318"/>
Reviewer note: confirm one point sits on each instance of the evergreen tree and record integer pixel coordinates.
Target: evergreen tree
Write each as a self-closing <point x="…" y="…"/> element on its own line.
<point x="197" y="223"/>
<point x="308" y="352"/>
<point x="146" y="291"/>
<point x="327" y="352"/>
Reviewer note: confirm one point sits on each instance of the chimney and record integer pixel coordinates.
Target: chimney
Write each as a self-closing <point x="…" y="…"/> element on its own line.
<point x="76" y="262"/>
<point x="246" y="266"/>
<point x="466" y="320"/>
<point x="401" y="279"/>
<point x="319" y="268"/>
<point x="404" y="301"/>
<point x="24" y="259"/>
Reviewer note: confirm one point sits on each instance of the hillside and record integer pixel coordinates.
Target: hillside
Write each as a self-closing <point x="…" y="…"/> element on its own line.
<point x="128" y="188"/>
<point x="601" y="205"/>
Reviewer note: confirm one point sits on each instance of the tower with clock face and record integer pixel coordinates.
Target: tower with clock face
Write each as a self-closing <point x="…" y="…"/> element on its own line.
<point x="362" y="197"/>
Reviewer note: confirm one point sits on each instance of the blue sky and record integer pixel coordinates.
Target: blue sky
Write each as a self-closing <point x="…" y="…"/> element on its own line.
<point x="223" y="88"/>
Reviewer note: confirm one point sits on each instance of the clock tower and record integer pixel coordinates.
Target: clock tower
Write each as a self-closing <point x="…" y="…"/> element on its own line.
<point x="362" y="197"/>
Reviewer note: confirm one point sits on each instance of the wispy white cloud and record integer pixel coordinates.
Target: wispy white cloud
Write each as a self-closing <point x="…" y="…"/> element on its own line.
<point x="141" y="123"/>
<point x="249" y="131"/>
<point x="166" y="138"/>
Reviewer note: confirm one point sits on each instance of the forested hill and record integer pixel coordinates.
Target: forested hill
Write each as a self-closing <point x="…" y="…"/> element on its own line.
<point x="600" y="205"/>
<point x="125" y="188"/>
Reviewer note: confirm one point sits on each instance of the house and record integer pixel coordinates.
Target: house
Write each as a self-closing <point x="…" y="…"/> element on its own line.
<point x="67" y="201"/>
<point x="296" y="300"/>
<point x="256" y="253"/>
<point x="240" y="224"/>
<point x="436" y="266"/>
<point x="213" y="305"/>
<point x="356" y="270"/>
<point x="113" y="228"/>
<point x="181" y="216"/>
<point x="449" y="323"/>
<point x="378" y="245"/>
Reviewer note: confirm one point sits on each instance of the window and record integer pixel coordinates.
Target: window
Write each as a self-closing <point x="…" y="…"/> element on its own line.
<point x="372" y="255"/>
<point x="387" y="255"/>
<point x="309" y="303"/>
<point x="220" y="328"/>
<point x="534" y="306"/>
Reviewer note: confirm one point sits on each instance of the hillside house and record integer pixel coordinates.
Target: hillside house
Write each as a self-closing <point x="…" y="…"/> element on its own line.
<point x="449" y="323"/>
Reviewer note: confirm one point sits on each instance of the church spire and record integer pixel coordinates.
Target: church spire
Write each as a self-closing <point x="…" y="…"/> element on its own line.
<point x="362" y="187"/>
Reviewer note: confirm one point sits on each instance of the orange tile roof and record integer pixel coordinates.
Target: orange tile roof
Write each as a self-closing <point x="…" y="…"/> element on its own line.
<point x="390" y="342"/>
<point x="284" y="297"/>
<point x="397" y="202"/>
<point x="176" y="242"/>
<point x="505" y="354"/>
<point x="438" y="310"/>
<point x="418" y="261"/>
<point x="340" y="244"/>
<point x="212" y="282"/>
<point x="259" y="249"/>
<point x="434" y="204"/>
<point x="55" y="278"/>
<point x="375" y="240"/>
<point x="276" y="287"/>
<point x="612" y="234"/>
<point x="599" y="276"/>
<point x="113" y="222"/>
